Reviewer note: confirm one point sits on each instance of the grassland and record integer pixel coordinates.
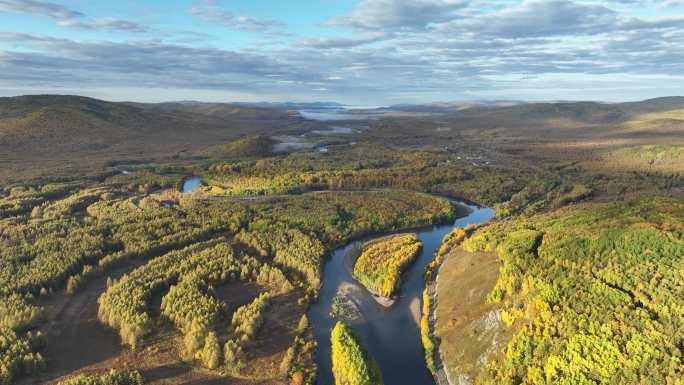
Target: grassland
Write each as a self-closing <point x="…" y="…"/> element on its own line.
<point x="661" y="158"/>
<point x="468" y="327"/>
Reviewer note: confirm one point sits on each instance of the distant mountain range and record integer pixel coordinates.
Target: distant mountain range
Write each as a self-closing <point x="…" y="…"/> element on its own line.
<point x="269" y="105"/>
<point x="656" y="104"/>
<point x="59" y="126"/>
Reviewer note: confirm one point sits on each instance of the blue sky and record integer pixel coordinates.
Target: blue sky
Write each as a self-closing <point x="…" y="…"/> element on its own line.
<point x="373" y="52"/>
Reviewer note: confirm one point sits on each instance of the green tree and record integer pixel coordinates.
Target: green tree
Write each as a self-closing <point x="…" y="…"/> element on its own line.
<point x="211" y="354"/>
<point x="303" y="323"/>
<point x="352" y="364"/>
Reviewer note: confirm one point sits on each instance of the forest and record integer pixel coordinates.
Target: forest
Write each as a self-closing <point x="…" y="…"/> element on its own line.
<point x="592" y="294"/>
<point x="364" y="167"/>
<point x="219" y="282"/>
<point x="352" y="364"/>
<point x="381" y="263"/>
<point x="60" y="238"/>
<point x="114" y="377"/>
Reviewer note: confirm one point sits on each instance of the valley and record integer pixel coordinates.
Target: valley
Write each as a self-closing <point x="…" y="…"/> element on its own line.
<point x="342" y="192"/>
<point x="201" y="250"/>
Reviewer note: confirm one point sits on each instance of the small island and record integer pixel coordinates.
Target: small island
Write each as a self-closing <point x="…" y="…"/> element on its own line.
<point x="381" y="263"/>
<point x="351" y="362"/>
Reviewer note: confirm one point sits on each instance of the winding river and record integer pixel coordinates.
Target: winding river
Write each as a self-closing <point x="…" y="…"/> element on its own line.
<point x="390" y="334"/>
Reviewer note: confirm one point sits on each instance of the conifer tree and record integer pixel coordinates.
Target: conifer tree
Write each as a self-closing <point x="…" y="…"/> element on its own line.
<point x="211" y="354"/>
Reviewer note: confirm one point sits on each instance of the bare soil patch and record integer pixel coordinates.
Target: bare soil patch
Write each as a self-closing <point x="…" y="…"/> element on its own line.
<point x="75" y="337"/>
<point x="274" y="338"/>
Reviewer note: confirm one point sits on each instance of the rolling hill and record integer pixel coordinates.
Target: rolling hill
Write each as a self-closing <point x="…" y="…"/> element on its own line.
<point x="43" y="133"/>
<point x="580" y="113"/>
<point x="60" y="134"/>
<point x="55" y="126"/>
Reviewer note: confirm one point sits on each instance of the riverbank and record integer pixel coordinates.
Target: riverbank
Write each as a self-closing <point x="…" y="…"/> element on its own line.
<point x="468" y="329"/>
<point x="391" y="334"/>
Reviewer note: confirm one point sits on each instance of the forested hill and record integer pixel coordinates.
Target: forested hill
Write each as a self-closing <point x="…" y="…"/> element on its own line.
<point x="57" y="126"/>
<point x="569" y="113"/>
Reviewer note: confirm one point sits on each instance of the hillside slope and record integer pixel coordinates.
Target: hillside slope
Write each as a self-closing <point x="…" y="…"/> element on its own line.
<point x="577" y="113"/>
<point x="56" y="126"/>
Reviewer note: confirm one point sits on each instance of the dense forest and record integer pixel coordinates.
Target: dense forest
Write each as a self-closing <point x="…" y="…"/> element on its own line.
<point x="511" y="186"/>
<point x="352" y="364"/>
<point x="381" y="263"/>
<point x="593" y="294"/>
<point x="364" y="167"/>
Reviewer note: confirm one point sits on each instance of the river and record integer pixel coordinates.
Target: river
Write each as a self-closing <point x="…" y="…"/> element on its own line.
<point x="191" y="184"/>
<point x="391" y="334"/>
<point x="326" y="115"/>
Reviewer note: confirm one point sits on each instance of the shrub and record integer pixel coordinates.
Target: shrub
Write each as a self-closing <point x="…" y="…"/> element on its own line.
<point x="114" y="377"/>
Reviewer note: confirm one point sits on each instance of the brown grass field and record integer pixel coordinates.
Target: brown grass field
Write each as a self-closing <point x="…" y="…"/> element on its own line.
<point x="468" y="328"/>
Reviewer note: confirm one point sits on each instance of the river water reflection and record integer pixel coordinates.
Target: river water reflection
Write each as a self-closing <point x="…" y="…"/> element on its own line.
<point x="391" y="334"/>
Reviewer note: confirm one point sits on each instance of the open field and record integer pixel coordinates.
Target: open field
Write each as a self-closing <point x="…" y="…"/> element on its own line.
<point x="468" y="328"/>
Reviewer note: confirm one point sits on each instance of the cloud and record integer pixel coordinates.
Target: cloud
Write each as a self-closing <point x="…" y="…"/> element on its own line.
<point x="138" y="63"/>
<point x="429" y="65"/>
<point x="209" y="11"/>
<point x="399" y="14"/>
<point x="555" y="18"/>
<point x="68" y="18"/>
<point x="535" y="18"/>
<point x="482" y="48"/>
<point x="652" y="23"/>
<point x="52" y="10"/>
<point x="346" y="42"/>
<point x="103" y="23"/>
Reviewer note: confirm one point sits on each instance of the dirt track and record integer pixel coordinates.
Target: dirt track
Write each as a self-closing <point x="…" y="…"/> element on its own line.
<point x="75" y="338"/>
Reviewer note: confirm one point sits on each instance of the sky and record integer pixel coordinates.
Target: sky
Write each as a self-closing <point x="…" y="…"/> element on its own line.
<point x="358" y="52"/>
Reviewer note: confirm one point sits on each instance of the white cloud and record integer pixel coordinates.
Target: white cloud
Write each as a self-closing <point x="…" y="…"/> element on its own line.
<point x="347" y="42"/>
<point x="103" y="23"/>
<point x="482" y="47"/>
<point x="209" y="11"/>
<point x="535" y="18"/>
<point x="67" y="17"/>
<point x="43" y="8"/>
<point x="399" y="14"/>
